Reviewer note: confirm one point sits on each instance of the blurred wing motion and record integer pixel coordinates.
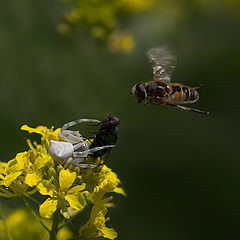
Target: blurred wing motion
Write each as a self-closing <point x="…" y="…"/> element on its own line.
<point x="162" y="61"/>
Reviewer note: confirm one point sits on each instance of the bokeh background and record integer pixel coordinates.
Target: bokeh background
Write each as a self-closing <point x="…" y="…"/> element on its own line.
<point x="180" y="169"/>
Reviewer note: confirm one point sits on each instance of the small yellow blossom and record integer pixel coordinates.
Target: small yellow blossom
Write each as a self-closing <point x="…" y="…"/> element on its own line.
<point x="65" y="189"/>
<point x="120" y="42"/>
<point x="62" y="194"/>
<point x="95" y="227"/>
<point x="22" y="225"/>
<point x="102" y="20"/>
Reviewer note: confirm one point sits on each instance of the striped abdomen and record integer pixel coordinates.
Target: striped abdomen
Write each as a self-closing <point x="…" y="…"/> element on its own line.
<point x="180" y="94"/>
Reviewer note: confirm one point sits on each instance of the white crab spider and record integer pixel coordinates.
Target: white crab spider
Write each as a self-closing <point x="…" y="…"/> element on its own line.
<point x="73" y="149"/>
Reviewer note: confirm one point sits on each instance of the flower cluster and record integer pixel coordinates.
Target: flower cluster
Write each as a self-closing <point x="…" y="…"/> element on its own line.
<point x="64" y="189"/>
<point x="101" y="18"/>
<point x="22" y="225"/>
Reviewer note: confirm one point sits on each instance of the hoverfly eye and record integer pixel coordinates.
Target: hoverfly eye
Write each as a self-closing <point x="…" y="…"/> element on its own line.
<point x="141" y="92"/>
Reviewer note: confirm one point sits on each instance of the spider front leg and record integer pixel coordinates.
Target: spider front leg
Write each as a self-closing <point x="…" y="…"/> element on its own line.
<point x="73" y="136"/>
<point x="77" y="162"/>
<point x="89" y="151"/>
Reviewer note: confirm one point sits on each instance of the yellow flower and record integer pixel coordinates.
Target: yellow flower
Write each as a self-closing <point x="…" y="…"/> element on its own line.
<point x="61" y="195"/>
<point x="22" y="225"/>
<point x="100" y="183"/>
<point x="95" y="227"/>
<point x="101" y="19"/>
<point x="35" y="170"/>
<point x="120" y="42"/>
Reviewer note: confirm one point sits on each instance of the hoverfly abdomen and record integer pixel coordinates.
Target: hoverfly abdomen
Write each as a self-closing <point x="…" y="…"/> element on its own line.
<point x="193" y="96"/>
<point x="182" y="94"/>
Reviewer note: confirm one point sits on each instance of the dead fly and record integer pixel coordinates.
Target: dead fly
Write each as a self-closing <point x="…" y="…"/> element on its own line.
<point x="75" y="148"/>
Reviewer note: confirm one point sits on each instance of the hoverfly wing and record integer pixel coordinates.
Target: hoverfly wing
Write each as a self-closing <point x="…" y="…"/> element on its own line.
<point x="162" y="61"/>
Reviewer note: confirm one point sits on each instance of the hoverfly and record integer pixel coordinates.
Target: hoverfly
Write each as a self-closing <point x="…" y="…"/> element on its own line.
<point x="160" y="91"/>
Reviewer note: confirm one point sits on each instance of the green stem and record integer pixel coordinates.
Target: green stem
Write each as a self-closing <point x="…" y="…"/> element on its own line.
<point x="65" y="223"/>
<point x="75" y="237"/>
<point x="9" y="237"/>
<point x="33" y="199"/>
<point x="54" y="230"/>
<point x="35" y="215"/>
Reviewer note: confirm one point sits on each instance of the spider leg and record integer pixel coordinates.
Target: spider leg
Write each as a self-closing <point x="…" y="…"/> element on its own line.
<point x="187" y="108"/>
<point x="85" y="165"/>
<point x="69" y="160"/>
<point x="83" y="146"/>
<point x="89" y="151"/>
<point x="71" y="136"/>
<point x="66" y="136"/>
<point x="75" y="122"/>
<point x="77" y="162"/>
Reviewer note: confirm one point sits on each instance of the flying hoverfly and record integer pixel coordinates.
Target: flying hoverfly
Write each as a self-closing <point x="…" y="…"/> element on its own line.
<point x="160" y="91"/>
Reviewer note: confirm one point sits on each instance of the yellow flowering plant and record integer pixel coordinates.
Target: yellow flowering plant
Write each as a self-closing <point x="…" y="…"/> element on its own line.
<point x="64" y="190"/>
<point x="101" y="19"/>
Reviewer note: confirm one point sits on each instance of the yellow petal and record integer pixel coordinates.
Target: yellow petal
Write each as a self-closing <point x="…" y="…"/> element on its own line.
<point x="47" y="209"/>
<point x="33" y="130"/>
<point x="45" y="187"/>
<point x="53" y="135"/>
<point x="10" y="178"/>
<point x="76" y="201"/>
<point x="3" y="166"/>
<point x="41" y="161"/>
<point x="98" y="208"/>
<point x="120" y="191"/>
<point x="32" y="179"/>
<point x="77" y="188"/>
<point x="66" y="179"/>
<point x="22" y="162"/>
<point x="109" y="233"/>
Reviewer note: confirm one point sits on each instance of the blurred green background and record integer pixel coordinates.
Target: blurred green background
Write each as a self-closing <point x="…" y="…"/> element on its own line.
<point x="180" y="169"/>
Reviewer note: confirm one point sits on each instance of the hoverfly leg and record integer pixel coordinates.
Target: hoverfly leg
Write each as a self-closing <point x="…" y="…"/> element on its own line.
<point x="194" y="88"/>
<point x="187" y="108"/>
